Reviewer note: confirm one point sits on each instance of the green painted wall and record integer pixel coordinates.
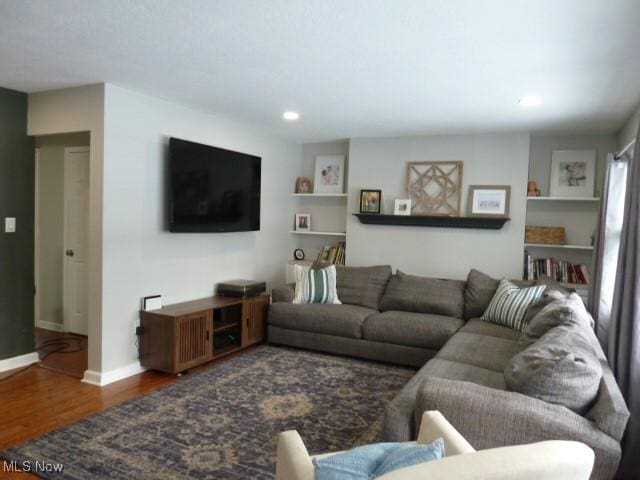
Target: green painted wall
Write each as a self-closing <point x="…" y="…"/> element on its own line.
<point x="16" y="249"/>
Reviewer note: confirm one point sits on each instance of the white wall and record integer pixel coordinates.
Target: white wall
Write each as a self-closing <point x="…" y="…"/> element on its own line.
<point x="629" y="130"/>
<point x="80" y="110"/>
<point x="495" y="159"/>
<point x="140" y="256"/>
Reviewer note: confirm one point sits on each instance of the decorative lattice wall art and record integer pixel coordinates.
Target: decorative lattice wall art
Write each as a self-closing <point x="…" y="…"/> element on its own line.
<point x="435" y="187"/>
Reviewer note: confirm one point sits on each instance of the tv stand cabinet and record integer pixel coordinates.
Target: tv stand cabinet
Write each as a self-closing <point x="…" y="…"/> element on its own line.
<point x="183" y="335"/>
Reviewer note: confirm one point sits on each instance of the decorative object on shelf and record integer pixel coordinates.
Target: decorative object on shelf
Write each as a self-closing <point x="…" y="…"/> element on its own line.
<point x="489" y="200"/>
<point x="298" y="254"/>
<point x="572" y="173"/>
<point x="303" y="185"/>
<point x="370" y="201"/>
<point x="559" y="270"/>
<point x="331" y="255"/>
<point x="303" y="222"/>
<point x="435" y="187"/>
<point x="486" y="223"/>
<point x="532" y="189"/>
<point x="545" y="235"/>
<point x="329" y="174"/>
<point x="402" y="206"/>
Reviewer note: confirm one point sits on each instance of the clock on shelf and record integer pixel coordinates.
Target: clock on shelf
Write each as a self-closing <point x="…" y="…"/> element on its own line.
<point x="298" y="254"/>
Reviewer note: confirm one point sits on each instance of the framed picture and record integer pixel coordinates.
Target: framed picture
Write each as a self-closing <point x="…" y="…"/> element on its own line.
<point x="329" y="174"/>
<point x="488" y="200"/>
<point x="303" y="185"/>
<point x="370" y="201"/>
<point x="402" y="206"/>
<point x="572" y="173"/>
<point x="303" y="222"/>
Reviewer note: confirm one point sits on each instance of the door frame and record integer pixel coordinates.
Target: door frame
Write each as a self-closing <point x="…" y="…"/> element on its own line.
<point x="36" y="241"/>
<point x="65" y="242"/>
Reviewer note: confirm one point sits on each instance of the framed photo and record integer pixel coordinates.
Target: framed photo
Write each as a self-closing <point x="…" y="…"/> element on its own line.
<point x="303" y="185"/>
<point x="329" y="174"/>
<point x="488" y="200"/>
<point x="402" y="206"/>
<point x="370" y="201"/>
<point x="572" y="173"/>
<point x="303" y="222"/>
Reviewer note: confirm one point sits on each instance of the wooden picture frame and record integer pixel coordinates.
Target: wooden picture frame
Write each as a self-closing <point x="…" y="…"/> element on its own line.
<point x="304" y="185"/>
<point x="489" y="201"/>
<point x="370" y="201"/>
<point x="435" y="188"/>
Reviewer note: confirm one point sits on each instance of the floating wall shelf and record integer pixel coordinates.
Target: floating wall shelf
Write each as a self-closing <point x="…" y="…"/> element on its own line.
<point x="487" y="223"/>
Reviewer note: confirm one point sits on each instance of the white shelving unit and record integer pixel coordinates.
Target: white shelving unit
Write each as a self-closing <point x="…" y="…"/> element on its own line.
<point x="555" y="246"/>
<point x="563" y="199"/>
<point x="328" y="234"/>
<point x="312" y="195"/>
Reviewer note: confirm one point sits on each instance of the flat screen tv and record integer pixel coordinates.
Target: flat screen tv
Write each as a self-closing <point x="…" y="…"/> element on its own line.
<point x="212" y="189"/>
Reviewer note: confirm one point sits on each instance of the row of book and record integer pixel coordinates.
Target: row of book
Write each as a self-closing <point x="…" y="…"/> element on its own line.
<point x="560" y="270"/>
<point x="332" y="254"/>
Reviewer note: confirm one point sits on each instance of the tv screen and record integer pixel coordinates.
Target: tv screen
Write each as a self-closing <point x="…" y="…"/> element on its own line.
<point x="212" y="189"/>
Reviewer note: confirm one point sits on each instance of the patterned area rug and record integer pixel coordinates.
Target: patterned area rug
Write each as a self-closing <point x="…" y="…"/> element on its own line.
<point x="223" y="423"/>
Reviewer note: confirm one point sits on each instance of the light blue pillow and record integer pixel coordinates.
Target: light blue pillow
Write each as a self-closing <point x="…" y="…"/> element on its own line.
<point x="372" y="461"/>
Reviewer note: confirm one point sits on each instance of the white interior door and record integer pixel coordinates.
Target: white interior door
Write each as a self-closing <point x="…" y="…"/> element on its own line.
<point x="76" y="238"/>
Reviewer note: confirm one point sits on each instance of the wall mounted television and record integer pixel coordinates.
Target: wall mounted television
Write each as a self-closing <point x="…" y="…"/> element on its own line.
<point x="212" y="189"/>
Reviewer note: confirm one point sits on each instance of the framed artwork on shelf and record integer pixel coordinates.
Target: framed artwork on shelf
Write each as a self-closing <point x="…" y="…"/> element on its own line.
<point x="435" y="187"/>
<point x="329" y="174"/>
<point x="303" y="222"/>
<point x="572" y="173"/>
<point x="370" y="201"/>
<point x="488" y="201"/>
<point x="303" y="185"/>
<point x="402" y="206"/>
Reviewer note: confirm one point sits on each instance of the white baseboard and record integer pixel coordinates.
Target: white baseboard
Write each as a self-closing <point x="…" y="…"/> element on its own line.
<point x="101" y="379"/>
<point x="55" y="327"/>
<point x="19" y="361"/>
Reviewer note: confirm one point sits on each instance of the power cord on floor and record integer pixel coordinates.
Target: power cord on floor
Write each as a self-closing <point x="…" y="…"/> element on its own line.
<point x="62" y="344"/>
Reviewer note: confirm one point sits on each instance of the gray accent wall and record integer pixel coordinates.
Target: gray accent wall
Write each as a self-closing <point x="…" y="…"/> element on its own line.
<point x="16" y="249"/>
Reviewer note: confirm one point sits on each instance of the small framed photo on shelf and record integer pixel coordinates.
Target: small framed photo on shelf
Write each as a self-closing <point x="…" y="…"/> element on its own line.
<point x="488" y="201"/>
<point x="572" y="173"/>
<point x="303" y="222"/>
<point x="370" y="201"/>
<point x="303" y="185"/>
<point x="329" y="174"/>
<point x="402" y="206"/>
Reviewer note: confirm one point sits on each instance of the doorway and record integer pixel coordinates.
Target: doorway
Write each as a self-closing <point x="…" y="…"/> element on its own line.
<point x="61" y="233"/>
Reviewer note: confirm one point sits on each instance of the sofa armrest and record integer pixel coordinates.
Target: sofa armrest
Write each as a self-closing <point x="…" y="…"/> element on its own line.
<point x="293" y="461"/>
<point x="490" y="418"/>
<point x="283" y="293"/>
<point x="434" y="426"/>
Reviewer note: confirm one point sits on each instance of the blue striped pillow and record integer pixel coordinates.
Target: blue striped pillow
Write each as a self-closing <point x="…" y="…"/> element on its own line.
<point x="509" y="304"/>
<point x="317" y="286"/>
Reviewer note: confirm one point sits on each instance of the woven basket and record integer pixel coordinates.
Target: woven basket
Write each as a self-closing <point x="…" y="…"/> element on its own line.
<point x="546" y="235"/>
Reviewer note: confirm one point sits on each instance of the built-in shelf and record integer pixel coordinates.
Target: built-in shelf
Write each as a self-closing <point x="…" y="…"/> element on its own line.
<point x="552" y="245"/>
<point x="328" y="234"/>
<point x="335" y="195"/>
<point x="563" y="199"/>
<point x="490" y="223"/>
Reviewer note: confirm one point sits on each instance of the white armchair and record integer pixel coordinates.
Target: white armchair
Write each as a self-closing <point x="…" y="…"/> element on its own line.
<point x="551" y="460"/>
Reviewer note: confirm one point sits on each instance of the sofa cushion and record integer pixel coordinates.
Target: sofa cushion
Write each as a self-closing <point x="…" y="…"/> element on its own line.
<point x="340" y="320"/>
<point x="557" y="309"/>
<point x="315" y="285"/>
<point x="548" y="296"/>
<point x="509" y="304"/>
<point x="561" y="368"/>
<point x="480" y="327"/>
<point x="362" y="286"/>
<point x="413" y="329"/>
<point x="463" y="372"/>
<point x="410" y="293"/>
<point x="478" y="293"/>
<point x="483" y="351"/>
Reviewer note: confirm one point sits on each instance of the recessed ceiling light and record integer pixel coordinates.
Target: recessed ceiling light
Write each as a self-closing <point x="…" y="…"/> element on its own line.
<point x="291" y="115"/>
<point x="530" y="101"/>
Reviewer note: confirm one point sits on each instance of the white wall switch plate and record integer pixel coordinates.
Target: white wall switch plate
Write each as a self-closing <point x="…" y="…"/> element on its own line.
<point x="10" y="225"/>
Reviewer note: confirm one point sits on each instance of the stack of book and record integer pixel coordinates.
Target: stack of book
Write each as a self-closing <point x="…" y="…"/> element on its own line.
<point x="560" y="270"/>
<point x="332" y="254"/>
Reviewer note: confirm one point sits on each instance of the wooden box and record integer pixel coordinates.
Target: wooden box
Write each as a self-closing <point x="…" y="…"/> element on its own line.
<point x="545" y="235"/>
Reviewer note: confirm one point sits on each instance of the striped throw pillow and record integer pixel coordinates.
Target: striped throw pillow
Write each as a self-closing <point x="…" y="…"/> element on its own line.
<point x="315" y="286"/>
<point x="510" y="303"/>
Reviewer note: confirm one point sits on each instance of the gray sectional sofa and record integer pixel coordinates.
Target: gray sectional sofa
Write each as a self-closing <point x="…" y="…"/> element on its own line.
<point x="470" y="370"/>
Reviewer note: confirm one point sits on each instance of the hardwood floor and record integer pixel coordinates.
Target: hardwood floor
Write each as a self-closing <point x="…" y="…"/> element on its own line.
<point x="39" y="400"/>
<point x="71" y="360"/>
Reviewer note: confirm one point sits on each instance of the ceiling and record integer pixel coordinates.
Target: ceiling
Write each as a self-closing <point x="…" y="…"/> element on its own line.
<point x="352" y="68"/>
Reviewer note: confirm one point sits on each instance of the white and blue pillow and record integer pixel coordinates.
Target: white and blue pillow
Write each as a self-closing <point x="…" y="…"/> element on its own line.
<point x="509" y="304"/>
<point x="316" y="285"/>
